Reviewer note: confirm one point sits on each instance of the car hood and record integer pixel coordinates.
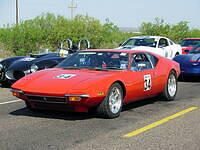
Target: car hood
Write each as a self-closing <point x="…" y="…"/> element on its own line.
<point x="22" y="64"/>
<point x="25" y="63"/>
<point x="59" y="81"/>
<point x="182" y="59"/>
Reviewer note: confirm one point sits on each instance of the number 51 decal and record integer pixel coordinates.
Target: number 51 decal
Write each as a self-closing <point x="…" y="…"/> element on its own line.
<point x="147" y="82"/>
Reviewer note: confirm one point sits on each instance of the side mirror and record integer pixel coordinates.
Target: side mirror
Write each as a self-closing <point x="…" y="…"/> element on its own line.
<point x="120" y="44"/>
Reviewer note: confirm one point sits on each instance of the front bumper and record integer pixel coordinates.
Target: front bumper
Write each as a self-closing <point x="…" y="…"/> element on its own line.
<point x="56" y="102"/>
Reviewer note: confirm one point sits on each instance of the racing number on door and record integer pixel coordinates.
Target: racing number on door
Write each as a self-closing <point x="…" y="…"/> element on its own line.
<point x="147" y="82"/>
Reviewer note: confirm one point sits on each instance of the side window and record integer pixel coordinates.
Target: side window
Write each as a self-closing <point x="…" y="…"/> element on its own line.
<point x="140" y="62"/>
<point x="153" y="59"/>
<point x="171" y="43"/>
<point x="163" y="43"/>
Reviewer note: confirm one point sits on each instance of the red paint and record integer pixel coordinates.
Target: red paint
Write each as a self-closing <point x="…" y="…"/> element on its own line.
<point x="92" y="82"/>
<point x="186" y="49"/>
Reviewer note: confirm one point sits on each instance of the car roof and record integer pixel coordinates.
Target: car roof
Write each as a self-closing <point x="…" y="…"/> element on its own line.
<point x="120" y="50"/>
<point x="142" y="37"/>
<point x="114" y="50"/>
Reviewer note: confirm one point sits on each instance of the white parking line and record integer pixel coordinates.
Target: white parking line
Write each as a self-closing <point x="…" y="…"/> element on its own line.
<point x="14" y="101"/>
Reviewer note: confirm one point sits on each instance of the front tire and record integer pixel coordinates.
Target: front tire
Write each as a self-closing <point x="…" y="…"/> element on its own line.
<point x="111" y="106"/>
<point x="171" y="87"/>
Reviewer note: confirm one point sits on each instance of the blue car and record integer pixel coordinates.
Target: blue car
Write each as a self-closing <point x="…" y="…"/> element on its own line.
<point x="189" y="63"/>
<point x="14" y="68"/>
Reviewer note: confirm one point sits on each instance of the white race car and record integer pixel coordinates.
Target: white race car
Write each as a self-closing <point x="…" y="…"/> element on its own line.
<point x="155" y="44"/>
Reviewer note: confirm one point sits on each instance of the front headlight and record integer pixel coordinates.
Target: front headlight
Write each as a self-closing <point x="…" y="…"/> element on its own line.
<point x="34" y="68"/>
<point x="1" y="67"/>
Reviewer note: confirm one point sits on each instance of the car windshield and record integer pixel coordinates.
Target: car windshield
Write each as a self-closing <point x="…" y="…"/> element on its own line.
<point x="98" y="60"/>
<point x="195" y="50"/>
<point x="140" y="42"/>
<point x="190" y="42"/>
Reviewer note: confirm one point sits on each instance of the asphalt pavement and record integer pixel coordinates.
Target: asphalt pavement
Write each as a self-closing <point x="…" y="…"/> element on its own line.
<point x="160" y="125"/>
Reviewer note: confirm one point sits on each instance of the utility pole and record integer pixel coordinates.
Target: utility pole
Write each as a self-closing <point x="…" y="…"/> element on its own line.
<point x="72" y="6"/>
<point x="17" y="12"/>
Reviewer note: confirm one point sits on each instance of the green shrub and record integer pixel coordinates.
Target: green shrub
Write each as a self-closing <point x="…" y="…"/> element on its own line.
<point x="48" y="30"/>
<point x="175" y="32"/>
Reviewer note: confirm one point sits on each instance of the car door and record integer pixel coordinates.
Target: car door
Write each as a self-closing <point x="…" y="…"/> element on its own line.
<point x="165" y="46"/>
<point x="148" y="72"/>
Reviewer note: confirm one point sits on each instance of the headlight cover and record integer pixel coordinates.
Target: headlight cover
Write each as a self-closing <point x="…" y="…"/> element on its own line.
<point x="34" y="68"/>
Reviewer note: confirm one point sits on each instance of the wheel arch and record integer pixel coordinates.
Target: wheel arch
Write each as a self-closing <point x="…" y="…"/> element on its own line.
<point x="122" y="85"/>
<point x="173" y="70"/>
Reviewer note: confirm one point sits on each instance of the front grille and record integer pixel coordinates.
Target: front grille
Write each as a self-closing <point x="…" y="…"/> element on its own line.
<point x="53" y="106"/>
<point x="46" y="99"/>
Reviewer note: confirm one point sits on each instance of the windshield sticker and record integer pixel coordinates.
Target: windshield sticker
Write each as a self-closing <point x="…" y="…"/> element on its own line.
<point x="65" y="76"/>
<point x="147" y="82"/>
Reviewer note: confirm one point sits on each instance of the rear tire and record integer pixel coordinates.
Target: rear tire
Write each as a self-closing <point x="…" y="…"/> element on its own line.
<point x="171" y="87"/>
<point x="111" y="106"/>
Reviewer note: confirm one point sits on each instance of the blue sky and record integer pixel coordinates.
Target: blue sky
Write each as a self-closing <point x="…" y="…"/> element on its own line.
<point x="123" y="13"/>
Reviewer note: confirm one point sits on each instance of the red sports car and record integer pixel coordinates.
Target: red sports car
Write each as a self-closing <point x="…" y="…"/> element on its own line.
<point x="100" y="79"/>
<point x="189" y="43"/>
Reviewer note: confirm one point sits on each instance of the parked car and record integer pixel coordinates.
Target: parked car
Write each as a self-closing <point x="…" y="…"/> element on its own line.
<point x="189" y="43"/>
<point x="14" y="68"/>
<point x="155" y="44"/>
<point x="101" y="79"/>
<point x="189" y="63"/>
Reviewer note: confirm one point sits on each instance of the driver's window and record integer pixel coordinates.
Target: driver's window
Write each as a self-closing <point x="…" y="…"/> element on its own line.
<point x="163" y="43"/>
<point x="140" y="62"/>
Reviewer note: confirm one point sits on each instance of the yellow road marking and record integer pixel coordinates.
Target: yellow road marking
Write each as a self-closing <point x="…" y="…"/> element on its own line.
<point x="155" y="124"/>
